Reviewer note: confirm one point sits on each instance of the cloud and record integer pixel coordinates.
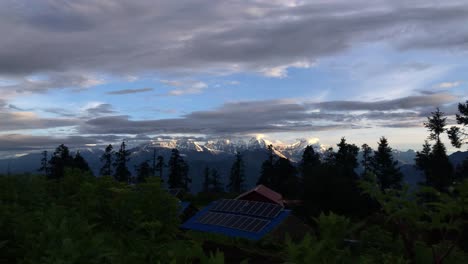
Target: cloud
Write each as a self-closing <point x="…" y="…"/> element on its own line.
<point x="409" y="102"/>
<point x="28" y="120"/>
<point x="282" y="71"/>
<point x="184" y="87"/>
<point x="447" y="85"/>
<point x="25" y="142"/>
<point x="130" y="91"/>
<point x="45" y="82"/>
<point x="262" y="36"/>
<point x="272" y="116"/>
<point x="11" y="142"/>
<point x="100" y="109"/>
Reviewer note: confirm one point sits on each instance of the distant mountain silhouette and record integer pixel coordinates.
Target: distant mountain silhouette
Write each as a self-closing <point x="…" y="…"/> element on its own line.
<point x="217" y="155"/>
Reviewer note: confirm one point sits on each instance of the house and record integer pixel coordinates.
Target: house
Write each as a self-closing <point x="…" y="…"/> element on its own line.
<point x="238" y="218"/>
<point x="252" y="215"/>
<point x="261" y="193"/>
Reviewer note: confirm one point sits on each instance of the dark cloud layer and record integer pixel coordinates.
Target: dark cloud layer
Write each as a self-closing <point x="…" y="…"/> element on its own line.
<point x="130" y="91"/>
<point x="100" y="124"/>
<point x="148" y="36"/>
<point x="21" y="142"/>
<point x="279" y="116"/>
<point x="18" y="142"/>
<point x="26" y="120"/>
<point x="409" y="102"/>
<point x="101" y="109"/>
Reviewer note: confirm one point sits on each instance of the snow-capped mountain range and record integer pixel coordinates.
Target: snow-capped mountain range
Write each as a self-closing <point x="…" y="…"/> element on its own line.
<point x="229" y="146"/>
<point x="216" y="154"/>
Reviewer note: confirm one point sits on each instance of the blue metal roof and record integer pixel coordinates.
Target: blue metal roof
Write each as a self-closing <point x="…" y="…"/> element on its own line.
<point x="192" y="224"/>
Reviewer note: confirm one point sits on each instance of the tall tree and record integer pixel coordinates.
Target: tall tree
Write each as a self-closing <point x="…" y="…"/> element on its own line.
<point x="216" y="181"/>
<point x="153" y="168"/>
<point x="329" y="156"/>
<point x="237" y="176"/>
<point x="207" y="179"/>
<point x="106" y="169"/>
<point x="121" y="172"/>
<point x="178" y="171"/>
<point x="80" y="163"/>
<point x="160" y="166"/>
<point x="440" y="175"/>
<point x="60" y="159"/>
<point x="45" y="163"/>
<point x="439" y="171"/>
<point x="143" y="171"/>
<point x="436" y="124"/>
<point x="310" y="160"/>
<point x="333" y="185"/>
<point x="346" y="156"/>
<point x="459" y="136"/>
<point x="267" y="170"/>
<point x="366" y="159"/>
<point x="285" y="179"/>
<point x="385" y="168"/>
<point x="423" y="158"/>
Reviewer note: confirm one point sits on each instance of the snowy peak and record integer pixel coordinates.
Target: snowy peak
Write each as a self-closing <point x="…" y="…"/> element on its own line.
<point x="257" y="143"/>
<point x="224" y="145"/>
<point x="164" y="143"/>
<point x="187" y="144"/>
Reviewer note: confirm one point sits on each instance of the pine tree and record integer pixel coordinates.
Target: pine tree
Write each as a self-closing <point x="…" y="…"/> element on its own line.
<point x="437" y="168"/>
<point x="207" y="179"/>
<point x="346" y="156"/>
<point x="106" y="169"/>
<point x="310" y="161"/>
<point x="121" y="172"/>
<point x="267" y="170"/>
<point x="440" y="174"/>
<point x="160" y="166"/>
<point x="153" y="168"/>
<point x="436" y="124"/>
<point x="216" y="181"/>
<point x="178" y="171"/>
<point x="143" y="171"/>
<point x="366" y="159"/>
<point x="80" y="163"/>
<point x="384" y="167"/>
<point x="329" y="156"/>
<point x="423" y="158"/>
<point x="237" y="176"/>
<point x="284" y="178"/>
<point x="459" y="136"/>
<point x="59" y="161"/>
<point x="333" y="185"/>
<point x="45" y="164"/>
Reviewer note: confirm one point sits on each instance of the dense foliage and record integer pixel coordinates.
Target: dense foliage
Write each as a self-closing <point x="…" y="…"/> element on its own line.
<point x="84" y="219"/>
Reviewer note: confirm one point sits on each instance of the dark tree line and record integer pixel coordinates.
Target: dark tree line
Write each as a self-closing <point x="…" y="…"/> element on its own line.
<point x="212" y="181"/>
<point x="279" y="174"/>
<point x="178" y="171"/>
<point x="54" y="168"/>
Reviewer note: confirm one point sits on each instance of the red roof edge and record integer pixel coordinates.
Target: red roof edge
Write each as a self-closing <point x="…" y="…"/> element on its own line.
<point x="266" y="192"/>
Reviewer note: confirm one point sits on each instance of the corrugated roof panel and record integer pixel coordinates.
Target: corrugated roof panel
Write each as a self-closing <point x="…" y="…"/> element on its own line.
<point x="256" y="233"/>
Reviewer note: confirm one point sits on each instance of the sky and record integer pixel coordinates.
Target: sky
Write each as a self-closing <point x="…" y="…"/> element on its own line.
<point x="93" y="72"/>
